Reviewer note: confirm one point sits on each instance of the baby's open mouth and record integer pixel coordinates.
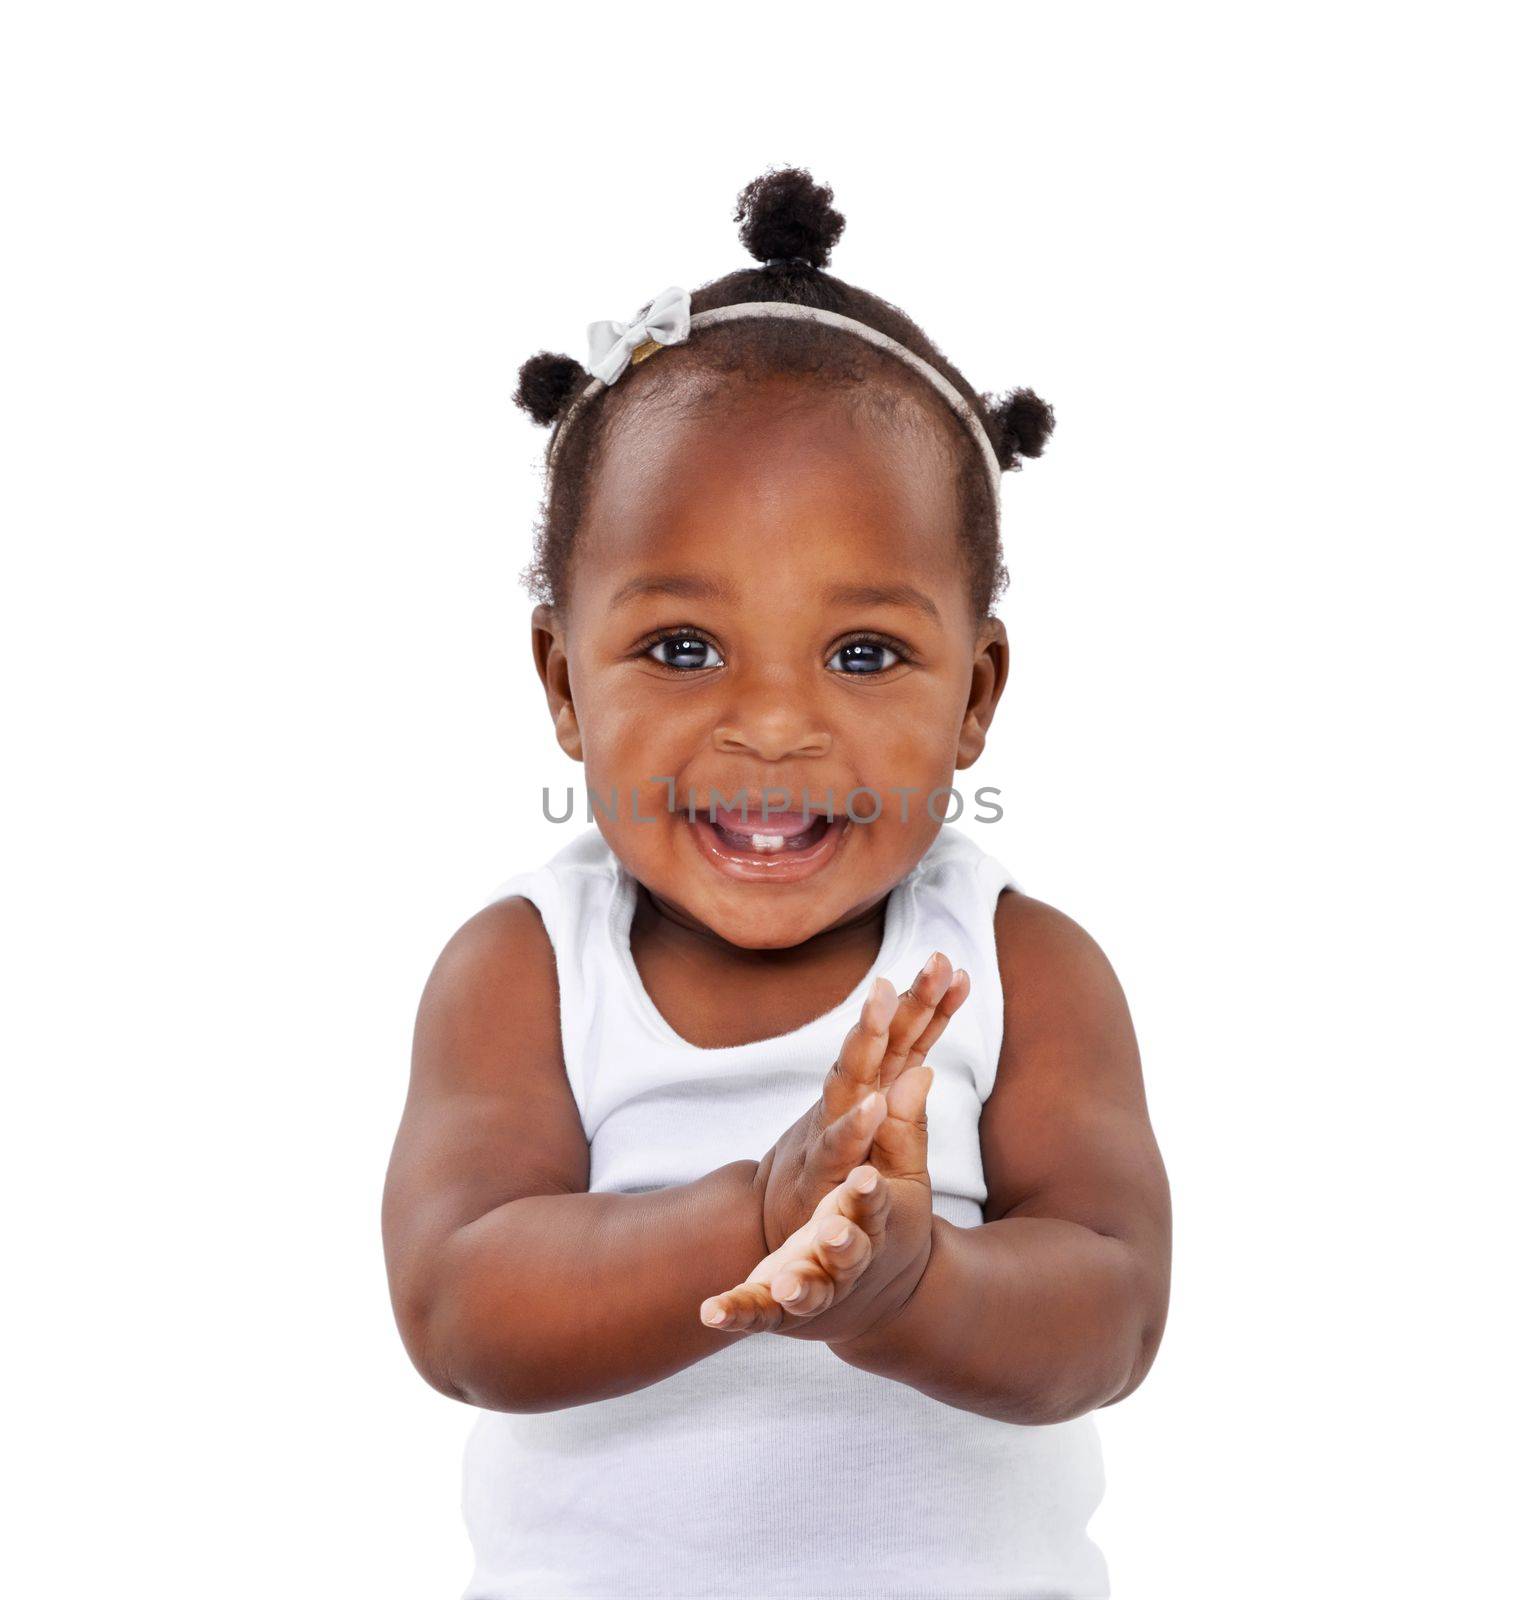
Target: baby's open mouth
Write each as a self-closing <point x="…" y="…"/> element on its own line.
<point x="769" y="836"/>
<point x="743" y="842"/>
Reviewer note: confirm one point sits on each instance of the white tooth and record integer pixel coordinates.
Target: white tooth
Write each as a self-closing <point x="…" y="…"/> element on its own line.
<point x="768" y="841"/>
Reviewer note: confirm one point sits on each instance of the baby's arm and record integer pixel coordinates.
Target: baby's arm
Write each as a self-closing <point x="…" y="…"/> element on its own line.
<point x="1056" y="1303"/>
<point x="496" y="1251"/>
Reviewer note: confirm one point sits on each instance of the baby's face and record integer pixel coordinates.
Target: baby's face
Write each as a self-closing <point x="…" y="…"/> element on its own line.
<point x="769" y="597"/>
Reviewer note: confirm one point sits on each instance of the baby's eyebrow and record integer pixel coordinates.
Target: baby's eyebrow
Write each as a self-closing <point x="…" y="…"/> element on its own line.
<point x="684" y="585"/>
<point x="693" y="586"/>
<point x="881" y="594"/>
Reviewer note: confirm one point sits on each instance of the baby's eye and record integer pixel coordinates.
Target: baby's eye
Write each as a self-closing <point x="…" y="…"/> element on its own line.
<point x="864" y="655"/>
<point x="685" y="651"/>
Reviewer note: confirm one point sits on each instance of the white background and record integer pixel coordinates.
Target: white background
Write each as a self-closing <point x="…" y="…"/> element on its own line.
<point x="275" y="730"/>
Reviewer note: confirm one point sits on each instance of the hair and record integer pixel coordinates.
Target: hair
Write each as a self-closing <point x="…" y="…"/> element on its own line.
<point x="789" y="226"/>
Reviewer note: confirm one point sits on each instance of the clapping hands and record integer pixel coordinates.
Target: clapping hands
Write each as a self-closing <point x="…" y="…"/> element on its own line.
<point x="846" y="1199"/>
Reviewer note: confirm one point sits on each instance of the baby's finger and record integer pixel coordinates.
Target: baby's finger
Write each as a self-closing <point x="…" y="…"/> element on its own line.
<point x="858" y="1068"/>
<point x="865" y="1198"/>
<point x="950" y="1003"/>
<point x="749" y="1308"/>
<point x="843" y="1250"/>
<point x="845" y="1141"/>
<point x="915" y="1010"/>
<point x="803" y="1288"/>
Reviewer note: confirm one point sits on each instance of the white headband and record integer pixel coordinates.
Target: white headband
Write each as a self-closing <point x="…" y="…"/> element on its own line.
<point x="614" y="347"/>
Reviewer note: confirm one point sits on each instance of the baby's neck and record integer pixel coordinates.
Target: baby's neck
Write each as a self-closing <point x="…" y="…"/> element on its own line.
<point x="714" y="993"/>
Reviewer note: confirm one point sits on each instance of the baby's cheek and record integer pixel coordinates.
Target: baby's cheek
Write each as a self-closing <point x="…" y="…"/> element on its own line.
<point x="632" y="752"/>
<point x="914" y="775"/>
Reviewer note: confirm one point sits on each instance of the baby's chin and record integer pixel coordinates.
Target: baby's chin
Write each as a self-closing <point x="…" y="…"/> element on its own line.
<point x="744" y="921"/>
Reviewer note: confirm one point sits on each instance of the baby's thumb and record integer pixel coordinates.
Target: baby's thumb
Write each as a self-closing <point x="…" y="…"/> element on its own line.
<point x="846" y="1141"/>
<point x="903" y="1139"/>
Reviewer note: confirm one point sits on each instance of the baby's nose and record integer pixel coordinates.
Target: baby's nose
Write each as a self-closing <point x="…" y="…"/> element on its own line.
<point x="772" y="733"/>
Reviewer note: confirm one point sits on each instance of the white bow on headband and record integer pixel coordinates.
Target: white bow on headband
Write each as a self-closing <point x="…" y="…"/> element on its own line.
<point x="611" y="345"/>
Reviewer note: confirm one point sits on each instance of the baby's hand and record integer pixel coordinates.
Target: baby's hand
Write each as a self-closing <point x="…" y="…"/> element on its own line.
<point x="816" y="1267"/>
<point x="890" y="1040"/>
<point x="855" y="1261"/>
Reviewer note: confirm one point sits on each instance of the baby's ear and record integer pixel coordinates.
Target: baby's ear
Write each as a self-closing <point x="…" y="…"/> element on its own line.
<point x="548" y="639"/>
<point x="990" y="668"/>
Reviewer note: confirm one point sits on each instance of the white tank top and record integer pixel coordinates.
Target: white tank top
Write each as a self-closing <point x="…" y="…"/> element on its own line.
<point x="737" y="1475"/>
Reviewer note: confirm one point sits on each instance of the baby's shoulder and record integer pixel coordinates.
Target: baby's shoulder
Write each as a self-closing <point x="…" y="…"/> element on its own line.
<point x="504" y="947"/>
<point x="1050" y="963"/>
<point x="512" y="924"/>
